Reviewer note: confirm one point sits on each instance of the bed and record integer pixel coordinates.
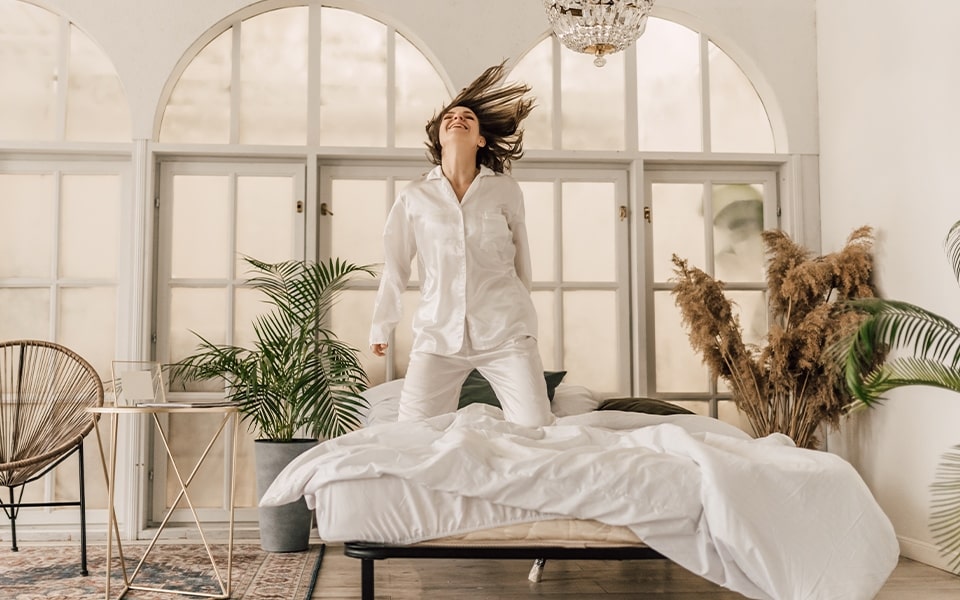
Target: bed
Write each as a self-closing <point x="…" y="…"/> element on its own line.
<point x="759" y="517"/>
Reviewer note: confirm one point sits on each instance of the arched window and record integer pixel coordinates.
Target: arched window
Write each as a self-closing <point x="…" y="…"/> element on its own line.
<point x="304" y="75"/>
<point x="61" y="209"/>
<point x="689" y="97"/>
<point x="58" y="85"/>
<point x="59" y="219"/>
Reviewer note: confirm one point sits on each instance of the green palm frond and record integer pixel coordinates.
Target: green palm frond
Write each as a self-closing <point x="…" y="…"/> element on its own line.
<point x="945" y="507"/>
<point x="909" y="370"/>
<point x="906" y="331"/>
<point x="298" y="379"/>
<point x="953" y="248"/>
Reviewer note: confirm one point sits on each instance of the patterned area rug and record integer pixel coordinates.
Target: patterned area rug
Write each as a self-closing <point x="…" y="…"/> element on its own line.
<point x="53" y="572"/>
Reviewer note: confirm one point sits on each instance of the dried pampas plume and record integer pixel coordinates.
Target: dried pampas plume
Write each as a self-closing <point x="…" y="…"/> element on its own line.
<point x="789" y="384"/>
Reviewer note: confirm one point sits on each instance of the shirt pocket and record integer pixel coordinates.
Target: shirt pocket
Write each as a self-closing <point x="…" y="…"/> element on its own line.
<point x="494" y="228"/>
<point x="495" y="235"/>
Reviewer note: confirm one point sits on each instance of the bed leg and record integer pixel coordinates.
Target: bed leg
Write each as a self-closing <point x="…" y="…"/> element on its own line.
<point x="366" y="579"/>
<point x="536" y="571"/>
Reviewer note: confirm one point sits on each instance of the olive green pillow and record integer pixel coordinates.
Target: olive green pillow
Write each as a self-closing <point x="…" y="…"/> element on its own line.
<point x="650" y="406"/>
<point x="477" y="389"/>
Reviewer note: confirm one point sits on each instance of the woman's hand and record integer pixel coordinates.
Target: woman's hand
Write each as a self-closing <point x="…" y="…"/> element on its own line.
<point x="379" y="349"/>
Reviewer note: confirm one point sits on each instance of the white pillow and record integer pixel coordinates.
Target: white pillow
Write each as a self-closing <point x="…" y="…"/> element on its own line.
<point x="571" y="399"/>
<point x="384" y="401"/>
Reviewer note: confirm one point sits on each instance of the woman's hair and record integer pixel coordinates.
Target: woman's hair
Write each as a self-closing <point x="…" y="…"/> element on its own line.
<point x="499" y="110"/>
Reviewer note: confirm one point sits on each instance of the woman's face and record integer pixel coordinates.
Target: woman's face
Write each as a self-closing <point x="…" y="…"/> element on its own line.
<point x="459" y="125"/>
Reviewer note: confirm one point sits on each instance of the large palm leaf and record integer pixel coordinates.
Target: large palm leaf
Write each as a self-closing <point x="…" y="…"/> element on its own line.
<point x="920" y="348"/>
<point x="299" y="379"/>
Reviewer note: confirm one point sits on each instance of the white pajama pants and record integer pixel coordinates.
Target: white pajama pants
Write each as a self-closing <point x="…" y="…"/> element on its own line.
<point x="431" y="386"/>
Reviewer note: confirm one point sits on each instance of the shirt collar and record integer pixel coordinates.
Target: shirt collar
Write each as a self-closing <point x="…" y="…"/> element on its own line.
<point x="437" y="172"/>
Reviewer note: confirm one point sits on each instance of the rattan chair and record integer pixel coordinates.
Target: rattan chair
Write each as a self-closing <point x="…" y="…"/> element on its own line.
<point x="45" y="390"/>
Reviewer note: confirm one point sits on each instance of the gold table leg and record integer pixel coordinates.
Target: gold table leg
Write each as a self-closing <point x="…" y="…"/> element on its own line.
<point x="109" y="471"/>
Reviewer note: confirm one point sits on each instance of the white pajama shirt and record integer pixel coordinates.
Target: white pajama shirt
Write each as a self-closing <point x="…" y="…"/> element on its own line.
<point x="474" y="263"/>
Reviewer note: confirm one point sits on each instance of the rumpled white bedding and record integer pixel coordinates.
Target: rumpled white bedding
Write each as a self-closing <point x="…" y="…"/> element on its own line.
<point x="760" y="517"/>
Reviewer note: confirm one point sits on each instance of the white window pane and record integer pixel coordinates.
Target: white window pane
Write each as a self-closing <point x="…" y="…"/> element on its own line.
<point x="199" y="107"/>
<point x="90" y="211"/>
<point x="594" y="100"/>
<point x="589" y="231"/>
<point x="200" y="227"/>
<point x="668" y="88"/>
<point x="536" y="70"/>
<point x="677" y="210"/>
<point x="545" y="304"/>
<point x="539" y="206"/>
<point x="359" y="212"/>
<point x="350" y="320"/>
<point x="751" y="308"/>
<point x="26" y="225"/>
<point x="185" y="433"/>
<point x="590" y="342"/>
<point x="737" y="225"/>
<point x="66" y="481"/>
<point x="678" y="367"/>
<point x="419" y="93"/>
<point x="29" y="43"/>
<point x="88" y="321"/>
<point x="248" y="305"/>
<point x="738" y="120"/>
<point x="265" y="219"/>
<point x="96" y="104"/>
<point x="245" y="494"/>
<point x="200" y="311"/>
<point x="353" y="80"/>
<point x="273" y="105"/>
<point x="728" y="412"/>
<point x="25" y="314"/>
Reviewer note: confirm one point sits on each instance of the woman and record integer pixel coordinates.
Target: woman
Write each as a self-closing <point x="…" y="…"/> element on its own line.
<point x="464" y="221"/>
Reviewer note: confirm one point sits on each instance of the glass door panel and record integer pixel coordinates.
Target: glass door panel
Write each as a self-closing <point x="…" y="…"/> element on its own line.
<point x="212" y="215"/>
<point x="577" y="222"/>
<point x="714" y="221"/>
<point x="358" y="200"/>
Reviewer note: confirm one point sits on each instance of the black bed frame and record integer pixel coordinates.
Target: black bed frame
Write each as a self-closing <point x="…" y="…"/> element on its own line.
<point x="369" y="552"/>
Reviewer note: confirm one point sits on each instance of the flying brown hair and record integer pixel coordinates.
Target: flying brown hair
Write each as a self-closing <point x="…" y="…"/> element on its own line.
<point x="499" y="109"/>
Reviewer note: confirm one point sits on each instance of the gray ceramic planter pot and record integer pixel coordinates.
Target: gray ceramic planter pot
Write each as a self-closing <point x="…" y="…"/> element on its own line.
<point x="283" y="528"/>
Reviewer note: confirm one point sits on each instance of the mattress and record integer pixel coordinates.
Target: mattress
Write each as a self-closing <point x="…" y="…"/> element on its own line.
<point x="371" y="509"/>
<point x="567" y="533"/>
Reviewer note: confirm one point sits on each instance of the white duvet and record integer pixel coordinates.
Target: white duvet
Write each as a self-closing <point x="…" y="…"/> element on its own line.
<point x="760" y="517"/>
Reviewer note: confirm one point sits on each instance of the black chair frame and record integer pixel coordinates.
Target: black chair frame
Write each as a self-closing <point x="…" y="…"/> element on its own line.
<point x="12" y="509"/>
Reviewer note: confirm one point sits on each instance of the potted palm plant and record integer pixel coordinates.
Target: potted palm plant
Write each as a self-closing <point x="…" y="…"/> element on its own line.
<point x="900" y="344"/>
<point x="296" y="384"/>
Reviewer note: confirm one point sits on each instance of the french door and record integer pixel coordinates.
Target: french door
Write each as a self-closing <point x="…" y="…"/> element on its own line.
<point x="577" y="221"/>
<point x="211" y="215"/>
<point x="713" y="219"/>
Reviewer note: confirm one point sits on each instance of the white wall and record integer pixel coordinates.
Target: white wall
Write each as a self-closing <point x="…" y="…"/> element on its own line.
<point x="889" y="130"/>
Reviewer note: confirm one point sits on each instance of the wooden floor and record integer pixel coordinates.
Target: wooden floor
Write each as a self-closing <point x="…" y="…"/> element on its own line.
<point x="418" y="579"/>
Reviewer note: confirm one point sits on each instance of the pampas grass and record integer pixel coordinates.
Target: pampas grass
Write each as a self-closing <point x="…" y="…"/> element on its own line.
<point x="788" y="384"/>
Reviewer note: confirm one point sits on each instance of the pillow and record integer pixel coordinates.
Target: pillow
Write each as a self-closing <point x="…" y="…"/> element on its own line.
<point x="477" y="389"/>
<point x="650" y="406"/>
<point x="572" y="400"/>
<point x="383" y="403"/>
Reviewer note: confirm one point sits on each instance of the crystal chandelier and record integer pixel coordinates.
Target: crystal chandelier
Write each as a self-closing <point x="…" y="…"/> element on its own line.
<point x="598" y="27"/>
